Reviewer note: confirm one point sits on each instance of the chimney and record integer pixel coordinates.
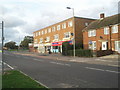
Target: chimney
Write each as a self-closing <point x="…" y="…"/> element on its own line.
<point x="102" y="15"/>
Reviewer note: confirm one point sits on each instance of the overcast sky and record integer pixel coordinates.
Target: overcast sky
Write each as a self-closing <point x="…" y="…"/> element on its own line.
<point x="23" y="17"/>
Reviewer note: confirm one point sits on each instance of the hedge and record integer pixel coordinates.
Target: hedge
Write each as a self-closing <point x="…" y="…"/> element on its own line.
<point x="81" y="53"/>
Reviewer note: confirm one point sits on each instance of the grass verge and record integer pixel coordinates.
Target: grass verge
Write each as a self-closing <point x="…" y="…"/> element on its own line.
<point x="15" y="79"/>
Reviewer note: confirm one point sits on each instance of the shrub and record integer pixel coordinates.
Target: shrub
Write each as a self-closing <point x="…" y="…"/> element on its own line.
<point x="81" y="53"/>
<point x="66" y="47"/>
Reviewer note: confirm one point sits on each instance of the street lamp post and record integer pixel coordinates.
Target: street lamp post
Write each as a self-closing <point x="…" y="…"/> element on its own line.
<point x="73" y="30"/>
<point x="2" y="38"/>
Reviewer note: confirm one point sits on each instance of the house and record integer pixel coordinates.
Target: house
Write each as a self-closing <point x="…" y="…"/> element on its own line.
<point x="103" y="34"/>
<point x="53" y="36"/>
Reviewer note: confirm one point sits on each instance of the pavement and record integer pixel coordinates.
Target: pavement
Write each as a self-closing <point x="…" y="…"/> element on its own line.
<point x="110" y="60"/>
<point x="64" y="74"/>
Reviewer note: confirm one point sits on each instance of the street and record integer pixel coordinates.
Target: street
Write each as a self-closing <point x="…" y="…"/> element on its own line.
<point x="64" y="74"/>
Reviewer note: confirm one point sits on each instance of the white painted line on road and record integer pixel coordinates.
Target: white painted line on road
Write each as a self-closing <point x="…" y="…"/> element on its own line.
<point x="114" y="65"/>
<point x="94" y="68"/>
<point x="112" y="71"/>
<point x="37" y="59"/>
<point x="105" y="60"/>
<point x="60" y="63"/>
<point x="67" y="64"/>
<point x="101" y="70"/>
<point x="8" y="65"/>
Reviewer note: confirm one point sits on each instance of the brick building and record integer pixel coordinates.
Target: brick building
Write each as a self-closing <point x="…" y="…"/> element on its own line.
<point x="53" y="36"/>
<point x="103" y="34"/>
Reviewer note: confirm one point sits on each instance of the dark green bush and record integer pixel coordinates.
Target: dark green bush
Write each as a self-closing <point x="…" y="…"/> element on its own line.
<point x="66" y="47"/>
<point x="80" y="53"/>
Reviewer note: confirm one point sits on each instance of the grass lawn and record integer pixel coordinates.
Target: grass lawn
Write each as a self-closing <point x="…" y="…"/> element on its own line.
<point x="15" y="79"/>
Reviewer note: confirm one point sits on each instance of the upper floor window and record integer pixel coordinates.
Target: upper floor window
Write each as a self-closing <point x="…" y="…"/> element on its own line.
<point x="115" y="29"/>
<point x="63" y="25"/>
<point x="36" y="33"/>
<point x="35" y="40"/>
<point x="56" y="36"/>
<point x="42" y="32"/>
<point x="39" y="33"/>
<point x="33" y="34"/>
<point x="47" y="39"/>
<point x="45" y="31"/>
<point x="70" y="24"/>
<point x="41" y="40"/>
<point x="49" y="30"/>
<point x="53" y="29"/>
<point x="86" y="24"/>
<point x="67" y="35"/>
<point x="106" y="30"/>
<point x="58" y="27"/>
<point x="91" y="33"/>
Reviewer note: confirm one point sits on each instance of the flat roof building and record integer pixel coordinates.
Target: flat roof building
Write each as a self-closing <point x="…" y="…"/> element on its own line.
<point x="53" y="36"/>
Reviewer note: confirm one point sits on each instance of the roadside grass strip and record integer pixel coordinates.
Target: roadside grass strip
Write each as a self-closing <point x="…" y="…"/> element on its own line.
<point x="16" y="79"/>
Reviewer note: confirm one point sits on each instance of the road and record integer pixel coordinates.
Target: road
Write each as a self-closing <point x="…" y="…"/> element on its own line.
<point x="63" y="74"/>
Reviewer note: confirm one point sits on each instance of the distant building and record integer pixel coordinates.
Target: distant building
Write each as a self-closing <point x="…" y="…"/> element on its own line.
<point x="53" y="36"/>
<point x="103" y="34"/>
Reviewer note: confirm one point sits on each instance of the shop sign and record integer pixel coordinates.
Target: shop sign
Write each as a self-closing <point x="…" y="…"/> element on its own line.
<point x="60" y="43"/>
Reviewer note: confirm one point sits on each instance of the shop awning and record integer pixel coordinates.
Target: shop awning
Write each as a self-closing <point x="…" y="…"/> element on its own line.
<point x="60" y="43"/>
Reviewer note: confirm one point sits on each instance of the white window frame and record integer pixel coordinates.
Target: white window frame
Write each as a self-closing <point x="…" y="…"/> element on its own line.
<point x="49" y="30"/>
<point x="91" y="33"/>
<point x="115" y="29"/>
<point x="58" y="27"/>
<point x="47" y="39"/>
<point x="106" y="30"/>
<point x="36" y="33"/>
<point x="70" y="24"/>
<point x="39" y="32"/>
<point x="63" y="25"/>
<point x="42" y="32"/>
<point x="67" y="35"/>
<point x="33" y="34"/>
<point x="46" y="31"/>
<point x="41" y="40"/>
<point x="53" y="29"/>
<point x="56" y="36"/>
<point x="94" y="45"/>
<point x="117" y="45"/>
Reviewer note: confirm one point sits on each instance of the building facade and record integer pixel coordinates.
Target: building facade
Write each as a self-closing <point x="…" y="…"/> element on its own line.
<point x="53" y="36"/>
<point x="103" y="34"/>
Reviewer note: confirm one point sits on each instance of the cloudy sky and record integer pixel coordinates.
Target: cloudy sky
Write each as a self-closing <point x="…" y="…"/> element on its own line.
<point x="23" y="17"/>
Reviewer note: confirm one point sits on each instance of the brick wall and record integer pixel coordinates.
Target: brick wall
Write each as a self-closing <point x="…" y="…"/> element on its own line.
<point x="111" y="37"/>
<point x="79" y="25"/>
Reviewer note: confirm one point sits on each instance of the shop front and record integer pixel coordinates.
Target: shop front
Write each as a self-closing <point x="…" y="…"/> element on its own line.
<point x="57" y="46"/>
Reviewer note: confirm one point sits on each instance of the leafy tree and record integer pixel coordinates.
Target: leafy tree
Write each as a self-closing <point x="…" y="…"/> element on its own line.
<point x="11" y="45"/>
<point x="26" y="41"/>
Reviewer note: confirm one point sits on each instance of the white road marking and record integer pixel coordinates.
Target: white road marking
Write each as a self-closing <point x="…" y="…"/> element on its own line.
<point x="106" y="60"/>
<point x="8" y="65"/>
<point x="60" y="63"/>
<point x="95" y="68"/>
<point x="37" y="59"/>
<point x="102" y="70"/>
<point x="112" y="71"/>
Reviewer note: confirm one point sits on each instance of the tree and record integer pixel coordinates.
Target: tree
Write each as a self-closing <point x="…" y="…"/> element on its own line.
<point x="11" y="45"/>
<point x="26" y="41"/>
